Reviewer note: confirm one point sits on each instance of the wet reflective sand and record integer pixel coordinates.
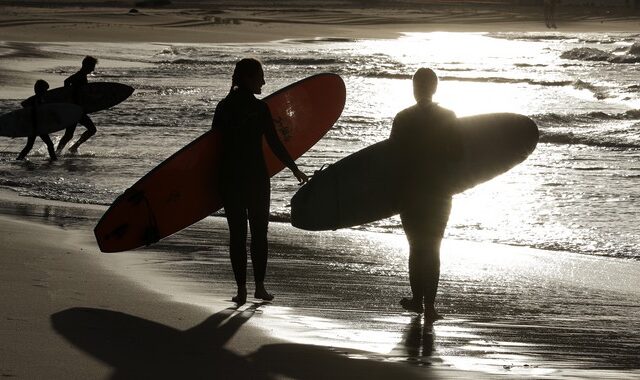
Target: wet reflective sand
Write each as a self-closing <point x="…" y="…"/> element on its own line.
<point x="507" y="310"/>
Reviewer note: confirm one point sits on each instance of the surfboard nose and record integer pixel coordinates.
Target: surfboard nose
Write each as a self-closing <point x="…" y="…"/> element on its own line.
<point x="529" y="132"/>
<point x="306" y="201"/>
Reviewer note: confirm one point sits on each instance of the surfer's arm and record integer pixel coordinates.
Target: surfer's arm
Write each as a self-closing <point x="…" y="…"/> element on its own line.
<point x="452" y="145"/>
<point x="29" y="102"/>
<point x="394" y="128"/>
<point x="78" y="79"/>
<point x="218" y="116"/>
<point x="34" y="119"/>
<point x="398" y="130"/>
<point x="278" y="148"/>
<point x="69" y="81"/>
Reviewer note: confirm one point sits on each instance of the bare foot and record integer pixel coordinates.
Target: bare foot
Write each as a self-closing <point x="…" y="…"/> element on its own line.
<point x="410" y="304"/>
<point x="261" y="293"/>
<point x="430" y="314"/>
<point x="241" y="298"/>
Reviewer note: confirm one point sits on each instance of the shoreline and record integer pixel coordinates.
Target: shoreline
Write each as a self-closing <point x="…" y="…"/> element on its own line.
<point x="23" y="27"/>
<point x="142" y="290"/>
<point x="207" y="23"/>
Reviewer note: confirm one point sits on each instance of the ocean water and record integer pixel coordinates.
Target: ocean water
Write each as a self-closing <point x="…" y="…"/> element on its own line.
<point x="577" y="192"/>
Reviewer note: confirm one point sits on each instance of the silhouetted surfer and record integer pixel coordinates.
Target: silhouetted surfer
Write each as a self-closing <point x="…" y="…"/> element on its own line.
<point x="424" y="207"/>
<point x="246" y="192"/>
<point x="550" y="13"/>
<point x="77" y="81"/>
<point x="40" y="87"/>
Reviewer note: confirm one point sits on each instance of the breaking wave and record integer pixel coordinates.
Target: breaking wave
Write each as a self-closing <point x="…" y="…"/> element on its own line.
<point x="570" y="138"/>
<point x="597" y="55"/>
<point x="588" y="116"/>
<point x="585" y="129"/>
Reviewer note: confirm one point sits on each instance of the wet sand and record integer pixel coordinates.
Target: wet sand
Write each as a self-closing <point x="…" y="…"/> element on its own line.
<point x="166" y="309"/>
<point x="71" y="312"/>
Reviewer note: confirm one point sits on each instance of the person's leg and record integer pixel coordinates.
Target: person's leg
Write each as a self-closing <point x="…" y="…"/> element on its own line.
<point x="68" y="135"/>
<point x="27" y="148"/>
<point x="91" y="130"/>
<point x="440" y="209"/>
<point x="424" y="224"/>
<point x="49" y="144"/>
<point x="431" y="270"/>
<point x="546" y="15"/>
<point x="411" y="224"/>
<point x="259" y="223"/>
<point x="237" y="220"/>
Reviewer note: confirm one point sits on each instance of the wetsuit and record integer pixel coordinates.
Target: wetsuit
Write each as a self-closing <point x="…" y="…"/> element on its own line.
<point x="34" y="102"/>
<point x="425" y="204"/>
<point x="76" y="82"/>
<point x="246" y="192"/>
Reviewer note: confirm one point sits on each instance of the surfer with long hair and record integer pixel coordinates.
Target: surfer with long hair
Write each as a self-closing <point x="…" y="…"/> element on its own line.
<point x="246" y="193"/>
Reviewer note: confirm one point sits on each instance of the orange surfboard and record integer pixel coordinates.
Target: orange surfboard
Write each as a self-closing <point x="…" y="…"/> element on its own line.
<point x="184" y="188"/>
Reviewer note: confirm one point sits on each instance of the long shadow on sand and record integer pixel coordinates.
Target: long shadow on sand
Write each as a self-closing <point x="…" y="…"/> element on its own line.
<point x="139" y="348"/>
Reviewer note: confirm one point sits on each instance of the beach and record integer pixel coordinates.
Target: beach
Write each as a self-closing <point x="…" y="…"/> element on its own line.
<point x="247" y="21"/>
<point x="165" y="311"/>
<point x="74" y="312"/>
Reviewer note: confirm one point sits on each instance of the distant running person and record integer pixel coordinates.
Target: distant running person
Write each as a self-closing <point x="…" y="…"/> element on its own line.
<point x="244" y="120"/>
<point x="424" y="207"/>
<point x="40" y="87"/>
<point x="77" y="81"/>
